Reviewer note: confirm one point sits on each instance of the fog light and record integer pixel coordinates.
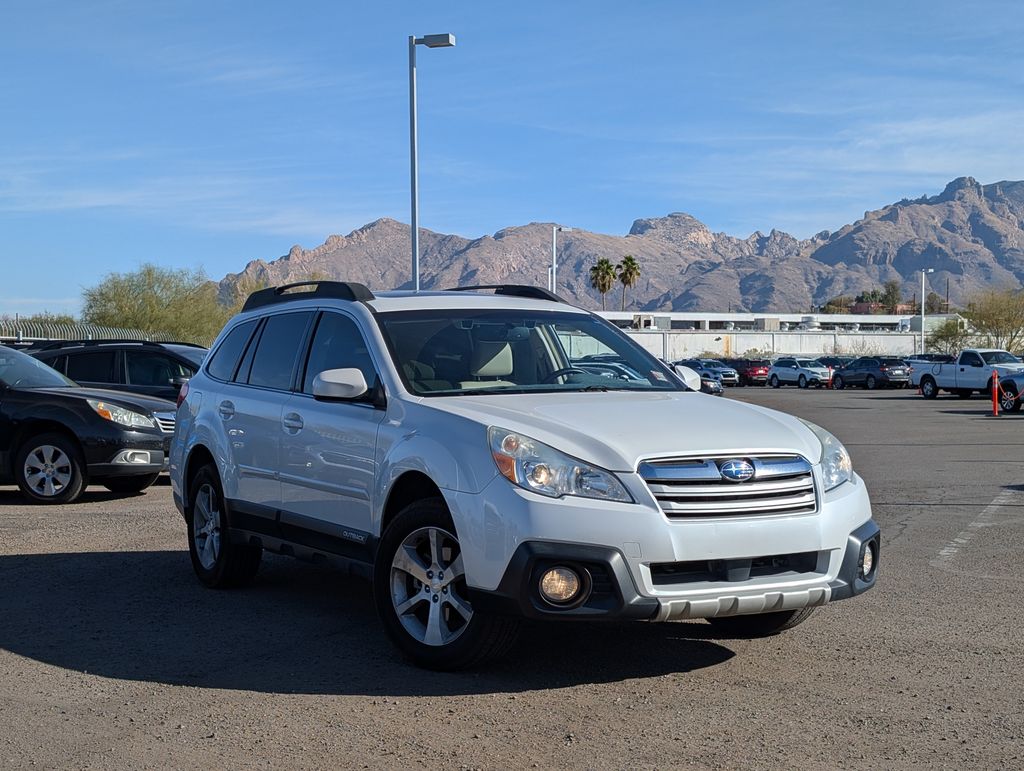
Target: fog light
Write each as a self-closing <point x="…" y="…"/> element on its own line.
<point x="868" y="561"/>
<point x="132" y="457"/>
<point x="560" y="585"/>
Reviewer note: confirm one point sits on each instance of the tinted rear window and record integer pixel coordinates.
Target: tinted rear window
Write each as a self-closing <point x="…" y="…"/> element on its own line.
<point x="893" y="362"/>
<point x="225" y="360"/>
<point x="277" y="350"/>
<point x="92" y="367"/>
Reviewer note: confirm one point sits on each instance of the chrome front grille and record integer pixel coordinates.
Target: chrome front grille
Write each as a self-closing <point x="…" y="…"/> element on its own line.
<point x="165" y="420"/>
<point x="696" y="488"/>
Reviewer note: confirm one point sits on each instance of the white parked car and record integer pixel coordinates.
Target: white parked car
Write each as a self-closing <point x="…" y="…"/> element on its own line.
<point x="446" y="441"/>
<point x="798" y="372"/>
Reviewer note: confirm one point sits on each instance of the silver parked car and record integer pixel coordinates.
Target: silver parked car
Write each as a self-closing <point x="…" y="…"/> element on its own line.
<point x="448" y="441"/>
<point x="798" y="372"/>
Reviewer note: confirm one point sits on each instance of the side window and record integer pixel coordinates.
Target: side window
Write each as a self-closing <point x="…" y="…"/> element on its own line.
<point x="277" y="350"/>
<point x="153" y="369"/>
<point x="225" y="359"/>
<point x="94" y="366"/>
<point x="968" y="359"/>
<point x="337" y="344"/>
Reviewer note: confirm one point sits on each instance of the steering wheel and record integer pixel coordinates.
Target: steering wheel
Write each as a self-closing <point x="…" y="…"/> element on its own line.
<point x="563" y="371"/>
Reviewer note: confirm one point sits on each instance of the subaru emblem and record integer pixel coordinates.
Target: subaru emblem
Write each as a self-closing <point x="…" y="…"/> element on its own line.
<point x="736" y="470"/>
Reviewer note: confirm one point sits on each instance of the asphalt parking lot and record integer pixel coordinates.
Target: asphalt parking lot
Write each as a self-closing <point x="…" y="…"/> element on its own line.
<point x="113" y="656"/>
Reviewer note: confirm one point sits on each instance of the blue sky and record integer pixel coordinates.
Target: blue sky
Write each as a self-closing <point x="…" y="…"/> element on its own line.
<point x="206" y="134"/>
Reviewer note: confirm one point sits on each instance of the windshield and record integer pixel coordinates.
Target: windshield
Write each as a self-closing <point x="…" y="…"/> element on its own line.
<point x="461" y="352"/>
<point x="999" y="357"/>
<point x="19" y="370"/>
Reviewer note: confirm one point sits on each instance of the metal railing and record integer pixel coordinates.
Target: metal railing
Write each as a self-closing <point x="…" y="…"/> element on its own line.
<point x="16" y="331"/>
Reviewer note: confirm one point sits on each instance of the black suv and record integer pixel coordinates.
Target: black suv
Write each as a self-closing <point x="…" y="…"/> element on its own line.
<point x="873" y="372"/>
<point x="56" y="438"/>
<point x="139" y="367"/>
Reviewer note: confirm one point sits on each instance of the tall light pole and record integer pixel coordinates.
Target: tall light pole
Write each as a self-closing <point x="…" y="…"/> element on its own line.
<point x="430" y="41"/>
<point x="553" y="273"/>
<point x="923" y="272"/>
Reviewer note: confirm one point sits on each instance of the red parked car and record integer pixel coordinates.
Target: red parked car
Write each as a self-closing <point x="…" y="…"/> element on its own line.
<point x="751" y="371"/>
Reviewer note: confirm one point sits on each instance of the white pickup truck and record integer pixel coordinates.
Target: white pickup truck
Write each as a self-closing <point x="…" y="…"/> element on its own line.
<point x="972" y="371"/>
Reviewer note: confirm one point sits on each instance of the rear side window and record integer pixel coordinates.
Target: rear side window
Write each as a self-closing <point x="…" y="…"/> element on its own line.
<point x="94" y="366"/>
<point x="225" y="359"/>
<point x="277" y="350"/>
<point x="337" y="344"/>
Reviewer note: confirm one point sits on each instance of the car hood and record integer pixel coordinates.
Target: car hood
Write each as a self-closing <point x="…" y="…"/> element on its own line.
<point x="617" y="429"/>
<point x="138" y="402"/>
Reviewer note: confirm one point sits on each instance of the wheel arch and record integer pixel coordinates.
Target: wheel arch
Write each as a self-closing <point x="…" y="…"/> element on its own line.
<point x="198" y="457"/>
<point x="408" y="487"/>
<point x="36" y="426"/>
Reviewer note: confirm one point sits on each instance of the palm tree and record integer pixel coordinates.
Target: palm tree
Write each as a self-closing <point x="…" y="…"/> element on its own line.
<point x="602" y="277"/>
<point x="629" y="274"/>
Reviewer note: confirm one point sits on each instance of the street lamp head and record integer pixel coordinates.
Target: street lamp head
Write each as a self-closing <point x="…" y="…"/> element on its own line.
<point x="927" y="270"/>
<point x="437" y="41"/>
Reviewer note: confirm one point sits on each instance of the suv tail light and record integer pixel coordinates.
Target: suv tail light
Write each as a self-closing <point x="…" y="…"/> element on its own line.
<point x="182" y="392"/>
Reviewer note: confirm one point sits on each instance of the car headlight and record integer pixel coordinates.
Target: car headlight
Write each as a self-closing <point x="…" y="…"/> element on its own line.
<point x="121" y="415"/>
<point x="539" y="468"/>
<point x="836" y="466"/>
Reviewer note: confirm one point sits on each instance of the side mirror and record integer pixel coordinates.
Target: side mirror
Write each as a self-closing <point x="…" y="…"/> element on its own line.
<point x="345" y="384"/>
<point x="690" y="378"/>
<point x="179" y="381"/>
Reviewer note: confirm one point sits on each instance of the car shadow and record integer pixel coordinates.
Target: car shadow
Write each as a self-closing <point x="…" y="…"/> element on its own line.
<point x="11" y="496"/>
<point x="299" y="629"/>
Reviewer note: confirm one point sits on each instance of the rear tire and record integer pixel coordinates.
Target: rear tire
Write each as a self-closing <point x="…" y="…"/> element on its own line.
<point x="760" y="624"/>
<point x="929" y="390"/>
<point x="218" y="563"/>
<point x="49" y="469"/>
<point x="425" y="614"/>
<point x="134" y="484"/>
<point x="871" y="383"/>
<point x="774" y="382"/>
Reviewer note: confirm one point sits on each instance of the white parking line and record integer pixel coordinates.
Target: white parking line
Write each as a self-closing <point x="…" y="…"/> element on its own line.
<point x="983" y="520"/>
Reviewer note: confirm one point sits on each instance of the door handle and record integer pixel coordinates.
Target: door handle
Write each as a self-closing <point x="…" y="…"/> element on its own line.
<point x="226" y="409"/>
<point x="292" y="421"/>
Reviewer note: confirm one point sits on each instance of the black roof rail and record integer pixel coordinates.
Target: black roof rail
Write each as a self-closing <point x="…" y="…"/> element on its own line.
<point x="513" y="290"/>
<point x="334" y="290"/>
<point x="52" y="345"/>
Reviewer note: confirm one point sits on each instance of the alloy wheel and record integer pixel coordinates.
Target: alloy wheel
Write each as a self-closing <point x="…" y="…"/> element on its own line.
<point x="428" y="587"/>
<point x="206" y="526"/>
<point x="47" y="470"/>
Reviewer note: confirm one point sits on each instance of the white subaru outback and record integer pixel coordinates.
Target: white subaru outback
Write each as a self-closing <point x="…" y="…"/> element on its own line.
<point x="450" y="442"/>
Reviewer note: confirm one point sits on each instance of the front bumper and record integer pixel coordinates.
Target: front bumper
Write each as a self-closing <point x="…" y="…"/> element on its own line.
<point x="642" y="564"/>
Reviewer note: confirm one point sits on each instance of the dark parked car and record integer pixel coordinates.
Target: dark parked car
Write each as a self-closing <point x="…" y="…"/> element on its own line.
<point x="56" y="437"/>
<point x="713" y="369"/>
<point x="836" y="362"/>
<point x="751" y="371"/>
<point x="873" y="372"/>
<point x="152" y="369"/>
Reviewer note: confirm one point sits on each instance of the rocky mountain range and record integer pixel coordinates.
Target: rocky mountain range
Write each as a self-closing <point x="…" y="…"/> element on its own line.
<point x="971" y="234"/>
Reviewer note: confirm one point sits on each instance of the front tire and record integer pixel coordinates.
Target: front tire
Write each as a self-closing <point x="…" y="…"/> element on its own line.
<point x="760" y="624"/>
<point x="802" y="382"/>
<point x="1009" y="399"/>
<point x="218" y="563"/>
<point x="134" y="484"/>
<point x="421" y="595"/>
<point x="49" y="469"/>
<point x="838" y="383"/>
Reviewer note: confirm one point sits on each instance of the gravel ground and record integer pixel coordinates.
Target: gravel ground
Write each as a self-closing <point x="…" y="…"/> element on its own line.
<point x="113" y="656"/>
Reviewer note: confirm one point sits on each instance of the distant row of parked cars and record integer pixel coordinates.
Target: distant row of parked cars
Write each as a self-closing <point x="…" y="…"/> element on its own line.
<point x="837" y="372"/>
